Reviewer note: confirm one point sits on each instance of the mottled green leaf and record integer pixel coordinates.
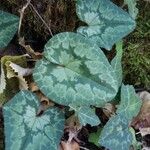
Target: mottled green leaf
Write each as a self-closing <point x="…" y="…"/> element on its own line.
<point x="133" y="10"/>
<point x="116" y="62"/>
<point x="86" y="115"/>
<point x="130" y="103"/>
<point x="116" y="134"/>
<point x="75" y="71"/>
<point x="24" y="130"/>
<point x="8" y="27"/>
<point x="106" y="22"/>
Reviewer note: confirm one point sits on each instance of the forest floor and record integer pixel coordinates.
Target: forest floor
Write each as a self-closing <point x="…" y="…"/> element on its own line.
<point x="136" y="73"/>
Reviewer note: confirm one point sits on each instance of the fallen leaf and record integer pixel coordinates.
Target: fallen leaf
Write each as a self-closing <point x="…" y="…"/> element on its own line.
<point x="33" y="87"/>
<point x="73" y="122"/>
<point x="144" y="95"/>
<point x="142" y="120"/>
<point x="73" y="127"/>
<point x="23" y="85"/>
<point x="20" y="70"/>
<point x="109" y="109"/>
<point x="29" y="50"/>
<point x="144" y="131"/>
<point x="44" y="101"/>
<point x="2" y="80"/>
<point x="69" y="145"/>
<point x="9" y="82"/>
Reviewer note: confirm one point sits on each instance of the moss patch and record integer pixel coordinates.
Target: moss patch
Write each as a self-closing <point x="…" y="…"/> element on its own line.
<point x="136" y="57"/>
<point x="59" y="15"/>
<point x="136" y="64"/>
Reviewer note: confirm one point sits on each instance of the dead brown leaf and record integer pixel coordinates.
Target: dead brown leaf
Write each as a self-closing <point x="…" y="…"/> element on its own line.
<point x="29" y="50"/>
<point x="69" y="145"/>
<point x="144" y="131"/>
<point x="33" y="87"/>
<point x="73" y="128"/>
<point x="109" y="109"/>
<point x="143" y="118"/>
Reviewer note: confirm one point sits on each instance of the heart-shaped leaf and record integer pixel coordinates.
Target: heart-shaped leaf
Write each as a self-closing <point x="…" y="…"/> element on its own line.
<point x="8" y="27"/>
<point x="116" y="134"/>
<point x="24" y="129"/>
<point x="75" y="71"/>
<point x="106" y="22"/>
<point x="130" y="103"/>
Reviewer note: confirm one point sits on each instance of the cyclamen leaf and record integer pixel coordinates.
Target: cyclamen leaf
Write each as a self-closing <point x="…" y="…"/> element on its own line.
<point x="25" y="130"/>
<point x="130" y="103"/>
<point x="8" y="27"/>
<point x="116" y="134"/>
<point x="133" y="10"/>
<point x="86" y="115"/>
<point x="106" y="22"/>
<point x="116" y="62"/>
<point x="75" y="71"/>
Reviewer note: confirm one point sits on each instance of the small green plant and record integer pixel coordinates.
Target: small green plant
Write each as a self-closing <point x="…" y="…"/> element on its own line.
<point x="75" y="73"/>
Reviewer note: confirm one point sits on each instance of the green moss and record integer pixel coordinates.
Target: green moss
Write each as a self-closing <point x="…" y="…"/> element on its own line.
<point x="136" y="56"/>
<point x="136" y="64"/>
<point x="143" y="21"/>
<point x="59" y="15"/>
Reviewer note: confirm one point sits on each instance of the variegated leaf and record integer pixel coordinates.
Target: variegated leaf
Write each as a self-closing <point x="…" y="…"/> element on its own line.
<point x="8" y="27"/>
<point x="106" y="22"/>
<point x="75" y="71"/>
<point x="116" y="134"/>
<point x="130" y="103"/>
<point x="26" y="130"/>
<point x="133" y="10"/>
<point x="86" y="115"/>
<point x="116" y="62"/>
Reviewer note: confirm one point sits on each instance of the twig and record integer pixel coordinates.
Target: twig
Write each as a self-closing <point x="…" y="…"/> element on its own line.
<point x="29" y="50"/>
<point x="84" y="148"/>
<point x="21" y="15"/>
<point x="41" y="19"/>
